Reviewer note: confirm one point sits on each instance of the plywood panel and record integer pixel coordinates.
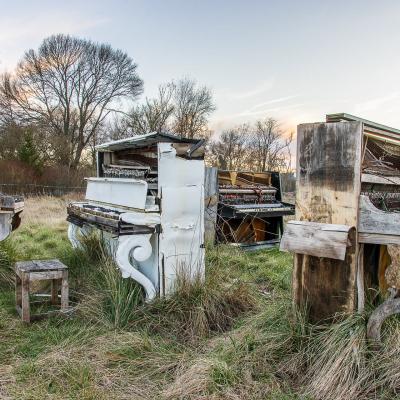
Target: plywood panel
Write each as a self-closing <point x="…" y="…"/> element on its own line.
<point x="328" y="186"/>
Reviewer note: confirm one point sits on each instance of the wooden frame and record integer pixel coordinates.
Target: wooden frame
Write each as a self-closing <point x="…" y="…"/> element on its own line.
<point x="330" y="161"/>
<point x="328" y="194"/>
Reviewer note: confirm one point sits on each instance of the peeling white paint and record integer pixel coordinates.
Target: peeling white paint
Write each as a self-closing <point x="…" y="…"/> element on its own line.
<point x="126" y="192"/>
<point x="133" y="248"/>
<point x="5" y="224"/>
<point x="177" y="243"/>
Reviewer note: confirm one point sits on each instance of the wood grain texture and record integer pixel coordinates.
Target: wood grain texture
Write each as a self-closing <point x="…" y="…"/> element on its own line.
<point x="377" y="179"/>
<point x="28" y="271"/>
<point x="378" y="238"/>
<point x="375" y="221"/>
<point x="392" y="273"/>
<point x="210" y="202"/>
<point x="316" y="239"/>
<point x="328" y="187"/>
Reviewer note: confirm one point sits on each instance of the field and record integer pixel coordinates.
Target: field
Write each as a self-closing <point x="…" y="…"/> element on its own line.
<point x="235" y="337"/>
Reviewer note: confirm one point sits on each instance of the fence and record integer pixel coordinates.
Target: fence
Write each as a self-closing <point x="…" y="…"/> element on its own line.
<point x="32" y="189"/>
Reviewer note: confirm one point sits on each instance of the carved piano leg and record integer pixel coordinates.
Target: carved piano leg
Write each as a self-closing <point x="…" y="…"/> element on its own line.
<point x="136" y="247"/>
<point x="75" y="233"/>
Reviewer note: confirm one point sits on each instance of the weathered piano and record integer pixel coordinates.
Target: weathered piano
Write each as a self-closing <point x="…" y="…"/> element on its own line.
<point x="347" y="214"/>
<point x="250" y="209"/>
<point x="11" y="208"/>
<point x="147" y="201"/>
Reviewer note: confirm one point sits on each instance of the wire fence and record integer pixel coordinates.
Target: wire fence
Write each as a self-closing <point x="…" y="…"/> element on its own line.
<point x="32" y="189"/>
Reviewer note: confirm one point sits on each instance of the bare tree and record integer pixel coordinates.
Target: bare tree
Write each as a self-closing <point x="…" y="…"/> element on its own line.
<point x="268" y="146"/>
<point x="230" y="150"/>
<point x="69" y="85"/>
<point x="154" y="114"/>
<point x="192" y="108"/>
<point x="261" y="146"/>
<point x="181" y="107"/>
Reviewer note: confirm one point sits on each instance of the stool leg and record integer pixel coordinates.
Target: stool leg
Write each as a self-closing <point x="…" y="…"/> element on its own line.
<point x="26" y="312"/>
<point x="18" y="289"/>
<point x="54" y="291"/>
<point x="64" y="291"/>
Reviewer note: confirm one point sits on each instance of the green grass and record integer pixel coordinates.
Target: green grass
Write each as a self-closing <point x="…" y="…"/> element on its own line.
<point x="236" y="336"/>
<point x="35" y="241"/>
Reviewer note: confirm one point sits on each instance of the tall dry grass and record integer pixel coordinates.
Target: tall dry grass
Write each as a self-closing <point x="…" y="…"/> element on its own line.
<point x="47" y="210"/>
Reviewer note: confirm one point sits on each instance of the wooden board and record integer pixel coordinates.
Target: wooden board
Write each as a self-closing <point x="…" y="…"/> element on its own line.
<point x="316" y="239"/>
<point x="377" y="238"/>
<point x="375" y="221"/>
<point x="210" y="202"/>
<point x="328" y="186"/>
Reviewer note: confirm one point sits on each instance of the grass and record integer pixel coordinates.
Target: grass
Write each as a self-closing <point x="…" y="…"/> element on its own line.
<point x="234" y="337"/>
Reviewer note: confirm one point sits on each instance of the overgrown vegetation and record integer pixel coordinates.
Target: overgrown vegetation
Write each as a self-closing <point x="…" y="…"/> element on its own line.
<point x="236" y="337"/>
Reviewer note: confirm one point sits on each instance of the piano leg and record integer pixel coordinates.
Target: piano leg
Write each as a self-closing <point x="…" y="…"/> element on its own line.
<point x="139" y="248"/>
<point x="75" y="233"/>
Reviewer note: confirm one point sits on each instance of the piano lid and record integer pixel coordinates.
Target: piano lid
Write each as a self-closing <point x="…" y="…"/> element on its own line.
<point x="145" y="140"/>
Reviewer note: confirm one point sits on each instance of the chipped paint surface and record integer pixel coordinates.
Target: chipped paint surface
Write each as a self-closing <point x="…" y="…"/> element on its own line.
<point x="123" y="192"/>
<point x="182" y="234"/>
<point x="5" y="224"/>
<point x="181" y="187"/>
<point x="137" y="248"/>
<point x="170" y="215"/>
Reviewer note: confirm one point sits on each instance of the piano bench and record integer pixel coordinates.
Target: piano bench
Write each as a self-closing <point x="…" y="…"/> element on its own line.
<point x="36" y="270"/>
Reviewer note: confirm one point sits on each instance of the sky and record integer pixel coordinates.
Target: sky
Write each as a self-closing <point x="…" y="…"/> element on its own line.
<point x="291" y="60"/>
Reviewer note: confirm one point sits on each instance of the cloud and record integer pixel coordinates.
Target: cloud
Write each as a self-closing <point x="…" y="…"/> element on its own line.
<point x="286" y="114"/>
<point x="251" y="112"/>
<point x="259" y="89"/>
<point x="274" y="101"/>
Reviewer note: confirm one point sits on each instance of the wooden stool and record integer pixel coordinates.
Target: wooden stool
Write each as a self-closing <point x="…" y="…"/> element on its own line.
<point x="29" y="271"/>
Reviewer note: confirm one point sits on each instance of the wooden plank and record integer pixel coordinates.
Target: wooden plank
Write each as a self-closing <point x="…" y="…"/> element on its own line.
<point x="210" y="202"/>
<point x="64" y="291"/>
<point x="44" y="275"/>
<point x="39" y="265"/>
<point x="377" y="238"/>
<point x="18" y="291"/>
<point x="54" y="291"/>
<point x="26" y="313"/>
<point x="360" y="280"/>
<point x="316" y="239"/>
<point x="328" y="186"/>
<point x="375" y="221"/>
<point x="379" y="179"/>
